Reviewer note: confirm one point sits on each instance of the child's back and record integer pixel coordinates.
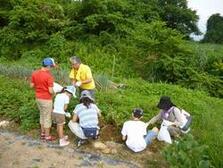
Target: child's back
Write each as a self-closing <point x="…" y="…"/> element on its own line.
<point x="135" y="131"/>
<point x="60" y="100"/>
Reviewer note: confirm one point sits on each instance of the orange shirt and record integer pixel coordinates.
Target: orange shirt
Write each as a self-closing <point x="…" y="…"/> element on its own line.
<point x="42" y="80"/>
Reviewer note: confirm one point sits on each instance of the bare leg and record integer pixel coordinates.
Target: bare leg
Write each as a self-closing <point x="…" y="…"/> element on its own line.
<point x="47" y="131"/>
<point x="60" y="131"/>
<point x="42" y="129"/>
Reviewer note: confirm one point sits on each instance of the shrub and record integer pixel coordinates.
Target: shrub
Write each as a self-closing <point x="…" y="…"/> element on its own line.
<point x="18" y="103"/>
<point x="187" y="152"/>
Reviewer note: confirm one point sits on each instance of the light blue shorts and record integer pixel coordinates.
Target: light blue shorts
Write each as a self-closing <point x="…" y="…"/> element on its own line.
<point x="150" y="136"/>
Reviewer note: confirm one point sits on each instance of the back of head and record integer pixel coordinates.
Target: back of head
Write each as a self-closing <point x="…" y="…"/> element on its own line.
<point x="165" y="103"/>
<point x="75" y="60"/>
<point x="86" y="94"/>
<point x="48" y="62"/>
<point x="86" y="98"/>
<point x="137" y="112"/>
<point x="71" y="90"/>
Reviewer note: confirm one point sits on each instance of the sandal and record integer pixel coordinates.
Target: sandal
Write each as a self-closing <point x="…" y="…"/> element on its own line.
<point x="42" y="136"/>
<point x="50" y="138"/>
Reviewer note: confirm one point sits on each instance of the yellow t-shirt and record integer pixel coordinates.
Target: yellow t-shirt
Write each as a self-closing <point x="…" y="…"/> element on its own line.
<point x="82" y="74"/>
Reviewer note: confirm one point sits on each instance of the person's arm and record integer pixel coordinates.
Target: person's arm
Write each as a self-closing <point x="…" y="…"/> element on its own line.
<point x="97" y="109"/>
<point x="86" y="81"/>
<point x="88" y="76"/>
<point x="65" y="107"/>
<point x="75" y="118"/>
<point x="99" y="113"/>
<point x="154" y="119"/>
<point x="124" y="137"/>
<point x="124" y="132"/>
<point x="31" y="85"/>
<point x="51" y="90"/>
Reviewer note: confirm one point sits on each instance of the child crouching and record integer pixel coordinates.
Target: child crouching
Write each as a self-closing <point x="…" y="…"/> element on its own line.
<point x="60" y="105"/>
<point x="134" y="132"/>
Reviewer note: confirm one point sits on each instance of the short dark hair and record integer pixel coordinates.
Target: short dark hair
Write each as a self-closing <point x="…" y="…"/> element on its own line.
<point x="137" y="112"/>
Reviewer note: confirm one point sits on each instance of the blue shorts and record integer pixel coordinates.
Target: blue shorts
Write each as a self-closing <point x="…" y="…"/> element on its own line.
<point x="150" y="136"/>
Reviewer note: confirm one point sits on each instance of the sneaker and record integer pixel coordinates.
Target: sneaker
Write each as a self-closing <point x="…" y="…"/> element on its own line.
<point x="50" y="138"/>
<point x="65" y="137"/>
<point x="63" y="142"/>
<point x="81" y="142"/>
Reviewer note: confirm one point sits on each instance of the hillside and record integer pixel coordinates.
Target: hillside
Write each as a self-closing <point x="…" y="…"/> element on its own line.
<point x="18" y="103"/>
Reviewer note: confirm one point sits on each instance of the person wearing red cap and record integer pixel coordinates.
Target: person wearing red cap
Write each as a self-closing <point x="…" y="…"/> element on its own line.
<point x="42" y="82"/>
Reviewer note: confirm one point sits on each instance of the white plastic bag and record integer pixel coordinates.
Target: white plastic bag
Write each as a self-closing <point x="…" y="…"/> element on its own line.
<point x="57" y="87"/>
<point x="164" y="134"/>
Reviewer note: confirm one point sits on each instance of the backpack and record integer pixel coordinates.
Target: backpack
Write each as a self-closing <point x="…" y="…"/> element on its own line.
<point x="188" y="120"/>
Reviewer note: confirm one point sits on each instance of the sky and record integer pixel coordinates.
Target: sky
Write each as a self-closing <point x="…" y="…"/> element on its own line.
<point x="205" y="8"/>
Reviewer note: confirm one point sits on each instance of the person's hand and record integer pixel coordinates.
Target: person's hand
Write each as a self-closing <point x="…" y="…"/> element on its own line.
<point x="78" y="83"/>
<point x="67" y="114"/>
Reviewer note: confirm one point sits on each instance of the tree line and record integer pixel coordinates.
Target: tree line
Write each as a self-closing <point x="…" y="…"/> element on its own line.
<point x="147" y="38"/>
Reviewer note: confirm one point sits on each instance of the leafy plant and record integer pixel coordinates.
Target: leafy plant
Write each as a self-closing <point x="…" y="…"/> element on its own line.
<point x="187" y="152"/>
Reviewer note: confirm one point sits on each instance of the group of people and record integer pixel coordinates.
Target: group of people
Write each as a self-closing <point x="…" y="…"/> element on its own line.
<point x="84" y="123"/>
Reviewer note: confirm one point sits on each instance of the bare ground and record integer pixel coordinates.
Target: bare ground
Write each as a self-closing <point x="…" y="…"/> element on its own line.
<point x="27" y="151"/>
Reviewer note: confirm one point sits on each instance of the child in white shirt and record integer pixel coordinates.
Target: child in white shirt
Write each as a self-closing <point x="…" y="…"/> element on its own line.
<point x="60" y="105"/>
<point x="135" y="134"/>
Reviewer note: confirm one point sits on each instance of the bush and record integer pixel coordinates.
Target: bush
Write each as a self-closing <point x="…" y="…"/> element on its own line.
<point x="18" y="103"/>
<point x="187" y="152"/>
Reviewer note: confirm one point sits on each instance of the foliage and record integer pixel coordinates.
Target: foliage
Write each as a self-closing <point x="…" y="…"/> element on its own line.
<point x="161" y="50"/>
<point x="118" y="38"/>
<point x="214" y="32"/>
<point x="29" y="22"/>
<point x="18" y="103"/>
<point x="187" y="152"/>
<point x="178" y="16"/>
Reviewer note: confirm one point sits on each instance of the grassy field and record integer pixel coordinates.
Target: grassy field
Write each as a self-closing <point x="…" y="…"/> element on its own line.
<point x="17" y="103"/>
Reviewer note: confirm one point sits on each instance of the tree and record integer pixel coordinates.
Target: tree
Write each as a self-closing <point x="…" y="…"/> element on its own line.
<point x="214" y="32"/>
<point x="5" y="7"/>
<point x="178" y="16"/>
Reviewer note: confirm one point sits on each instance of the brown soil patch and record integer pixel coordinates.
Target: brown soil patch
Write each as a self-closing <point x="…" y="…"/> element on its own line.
<point x="110" y="135"/>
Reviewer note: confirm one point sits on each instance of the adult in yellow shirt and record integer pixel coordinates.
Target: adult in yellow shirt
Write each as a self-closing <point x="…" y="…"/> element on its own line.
<point x="81" y="75"/>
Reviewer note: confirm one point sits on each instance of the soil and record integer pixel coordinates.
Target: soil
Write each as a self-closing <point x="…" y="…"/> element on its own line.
<point x="27" y="151"/>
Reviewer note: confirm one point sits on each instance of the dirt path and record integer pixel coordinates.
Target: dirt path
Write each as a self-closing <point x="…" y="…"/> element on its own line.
<point x="24" y="152"/>
<point x="27" y="151"/>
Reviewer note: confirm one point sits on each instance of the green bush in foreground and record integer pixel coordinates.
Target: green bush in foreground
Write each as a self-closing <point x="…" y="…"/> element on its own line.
<point x="187" y="153"/>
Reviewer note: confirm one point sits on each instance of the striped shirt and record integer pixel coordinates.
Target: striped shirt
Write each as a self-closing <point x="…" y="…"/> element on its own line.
<point x="88" y="117"/>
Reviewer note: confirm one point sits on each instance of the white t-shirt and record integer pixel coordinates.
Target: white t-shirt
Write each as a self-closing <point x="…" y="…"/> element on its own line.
<point x="59" y="102"/>
<point x="135" y="131"/>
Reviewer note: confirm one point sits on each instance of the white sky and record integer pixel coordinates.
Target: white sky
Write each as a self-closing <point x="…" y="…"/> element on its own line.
<point x="205" y="8"/>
